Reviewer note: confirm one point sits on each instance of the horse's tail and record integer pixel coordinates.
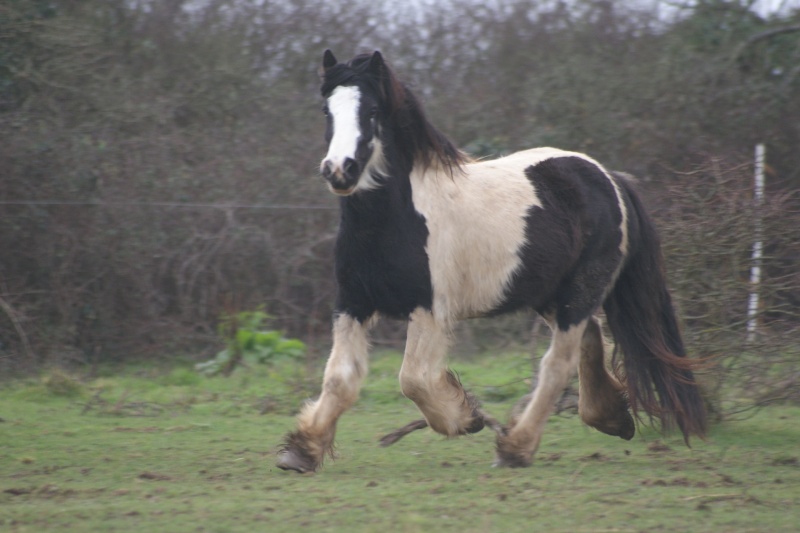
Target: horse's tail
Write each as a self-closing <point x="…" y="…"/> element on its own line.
<point x="658" y="375"/>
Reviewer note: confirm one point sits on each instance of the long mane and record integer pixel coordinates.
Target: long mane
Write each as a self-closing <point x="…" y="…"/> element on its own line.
<point x="412" y="132"/>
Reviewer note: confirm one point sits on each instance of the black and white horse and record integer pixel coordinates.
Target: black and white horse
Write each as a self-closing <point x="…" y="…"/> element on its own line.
<point x="430" y="237"/>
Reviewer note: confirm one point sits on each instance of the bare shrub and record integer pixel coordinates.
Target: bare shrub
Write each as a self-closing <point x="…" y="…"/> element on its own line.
<point x="708" y="221"/>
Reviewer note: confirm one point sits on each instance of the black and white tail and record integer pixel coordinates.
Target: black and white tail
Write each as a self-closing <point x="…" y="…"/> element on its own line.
<point x="659" y="377"/>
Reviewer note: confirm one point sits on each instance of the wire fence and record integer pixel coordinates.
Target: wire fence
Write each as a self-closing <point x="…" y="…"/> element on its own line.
<point x="186" y="205"/>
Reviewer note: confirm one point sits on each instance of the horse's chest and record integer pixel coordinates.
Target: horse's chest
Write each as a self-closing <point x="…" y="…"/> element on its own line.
<point x="385" y="269"/>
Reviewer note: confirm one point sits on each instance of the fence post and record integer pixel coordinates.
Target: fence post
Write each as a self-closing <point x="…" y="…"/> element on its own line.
<point x="758" y="245"/>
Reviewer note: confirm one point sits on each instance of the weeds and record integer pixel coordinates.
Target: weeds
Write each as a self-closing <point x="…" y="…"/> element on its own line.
<point x="247" y="343"/>
<point x="59" y="382"/>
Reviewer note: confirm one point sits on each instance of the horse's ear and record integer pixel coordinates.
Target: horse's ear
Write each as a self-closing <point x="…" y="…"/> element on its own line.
<point x="376" y="64"/>
<point x="328" y="59"/>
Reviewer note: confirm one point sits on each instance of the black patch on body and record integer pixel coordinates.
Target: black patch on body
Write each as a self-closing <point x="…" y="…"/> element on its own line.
<point x="381" y="263"/>
<point x="573" y="240"/>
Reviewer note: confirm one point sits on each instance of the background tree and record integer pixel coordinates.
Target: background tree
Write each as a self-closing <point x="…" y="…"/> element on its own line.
<point x="159" y="159"/>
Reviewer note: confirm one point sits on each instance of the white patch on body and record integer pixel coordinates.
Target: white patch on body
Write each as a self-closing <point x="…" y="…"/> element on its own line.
<point x="476" y="224"/>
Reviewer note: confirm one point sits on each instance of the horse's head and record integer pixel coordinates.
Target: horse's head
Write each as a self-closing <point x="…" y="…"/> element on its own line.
<point x="353" y="109"/>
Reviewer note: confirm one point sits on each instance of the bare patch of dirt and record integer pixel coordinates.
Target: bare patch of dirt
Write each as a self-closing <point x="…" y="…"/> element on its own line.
<point x="596" y="456"/>
<point x="726" y="479"/>
<point x="18" y="491"/>
<point x="735" y="499"/>
<point x="154" y="476"/>
<point x="658" y="447"/>
<point x="676" y="482"/>
<point x="148" y="429"/>
<point x="219" y="477"/>
<point x="51" y="491"/>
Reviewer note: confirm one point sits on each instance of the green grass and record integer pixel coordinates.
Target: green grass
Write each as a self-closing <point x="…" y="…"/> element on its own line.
<point x="167" y="450"/>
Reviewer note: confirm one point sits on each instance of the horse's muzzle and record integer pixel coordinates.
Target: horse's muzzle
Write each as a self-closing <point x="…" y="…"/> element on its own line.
<point x="342" y="179"/>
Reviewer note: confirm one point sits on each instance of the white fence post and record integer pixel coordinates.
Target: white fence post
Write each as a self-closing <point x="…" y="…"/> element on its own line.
<point x="758" y="246"/>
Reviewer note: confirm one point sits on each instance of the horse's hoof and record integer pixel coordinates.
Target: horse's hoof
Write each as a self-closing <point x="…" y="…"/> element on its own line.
<point x="511" y="456"/>
<point x="621" y="426"/>
<point x="290" y="459"/>
<point x="628" y="428"/>
<point x="508" y="460"/>
<point x="476" y="424"/>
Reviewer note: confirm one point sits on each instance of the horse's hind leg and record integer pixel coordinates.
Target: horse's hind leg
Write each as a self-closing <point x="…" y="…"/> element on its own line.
<point x="305" y="448"/>
<point x="425" y="379"/>
<point x="602" y="402"/>
<point x="517" y="446"/>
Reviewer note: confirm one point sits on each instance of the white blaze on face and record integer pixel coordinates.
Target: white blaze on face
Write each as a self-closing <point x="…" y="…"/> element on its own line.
<point x="343" y="109"/>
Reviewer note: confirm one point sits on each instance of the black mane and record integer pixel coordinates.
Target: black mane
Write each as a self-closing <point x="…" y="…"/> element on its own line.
<point x="404" y="116"/>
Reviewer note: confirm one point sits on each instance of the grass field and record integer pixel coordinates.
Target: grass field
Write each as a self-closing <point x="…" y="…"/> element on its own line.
<point x="167" y="450"/>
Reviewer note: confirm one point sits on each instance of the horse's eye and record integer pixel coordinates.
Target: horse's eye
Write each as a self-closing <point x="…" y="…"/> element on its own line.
<point x="325" y="110"/>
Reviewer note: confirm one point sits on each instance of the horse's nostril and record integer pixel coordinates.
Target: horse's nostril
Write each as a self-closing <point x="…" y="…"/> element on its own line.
<point x="326" y="169"/>
<point x="350" y="166"/>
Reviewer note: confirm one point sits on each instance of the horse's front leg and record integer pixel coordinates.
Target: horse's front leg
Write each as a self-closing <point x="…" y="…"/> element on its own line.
<point x="425" y="379"/>
<point x="305" y="448"/>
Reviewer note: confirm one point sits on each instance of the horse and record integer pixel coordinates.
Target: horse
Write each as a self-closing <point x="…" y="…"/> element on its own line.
<point x="431" y="237"/>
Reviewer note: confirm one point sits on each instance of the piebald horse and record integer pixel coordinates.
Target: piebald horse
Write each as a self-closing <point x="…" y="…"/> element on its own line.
<point x="428" y="236"/>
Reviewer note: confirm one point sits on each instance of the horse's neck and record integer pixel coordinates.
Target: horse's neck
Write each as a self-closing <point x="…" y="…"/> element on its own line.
<point x="380" y="209"/>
